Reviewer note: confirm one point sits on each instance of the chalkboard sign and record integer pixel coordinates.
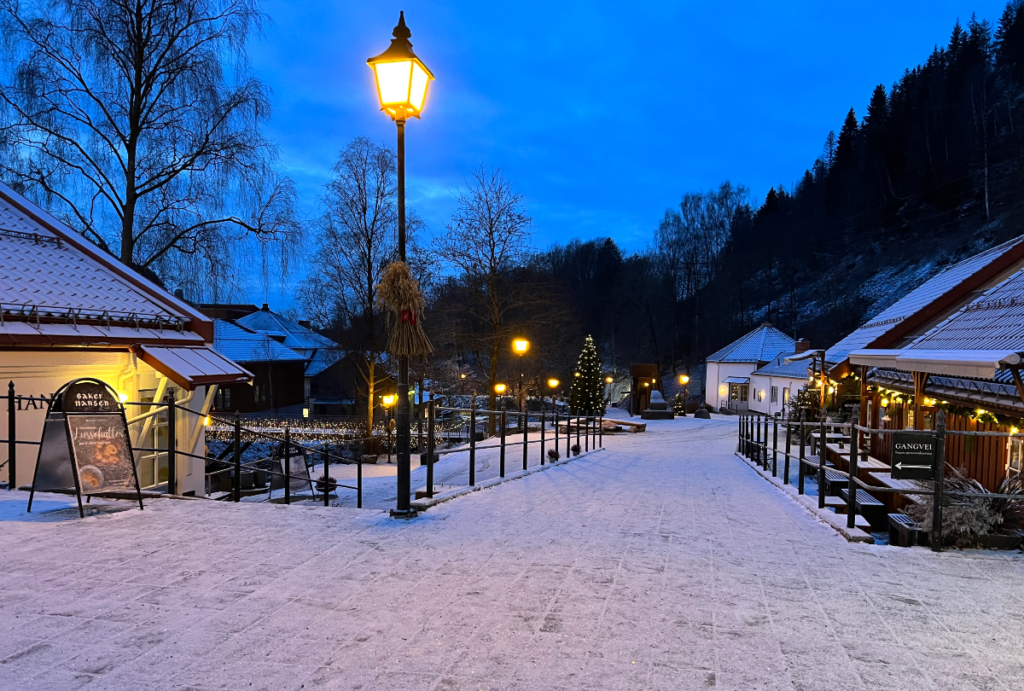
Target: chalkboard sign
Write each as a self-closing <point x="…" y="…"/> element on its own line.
<point x="85" y="445"/>
<point x="913" y="455"/>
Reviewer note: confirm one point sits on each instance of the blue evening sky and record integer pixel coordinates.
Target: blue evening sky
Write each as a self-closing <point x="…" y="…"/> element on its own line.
<point x="603" y="114"/>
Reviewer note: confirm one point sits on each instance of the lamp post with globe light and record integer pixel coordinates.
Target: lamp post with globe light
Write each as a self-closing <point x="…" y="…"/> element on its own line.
<point x="402" y="81"/>
<point x="520" y="346"/>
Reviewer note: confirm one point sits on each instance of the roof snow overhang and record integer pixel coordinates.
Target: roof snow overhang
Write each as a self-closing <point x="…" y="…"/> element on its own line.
<point x="981" y="364"/>
<point x="193" y="367"/>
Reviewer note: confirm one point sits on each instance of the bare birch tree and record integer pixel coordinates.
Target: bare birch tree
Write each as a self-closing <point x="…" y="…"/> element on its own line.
<point x="357" y="238"/>
<point x="138" y="123"/>
<point x="487" y="239"/>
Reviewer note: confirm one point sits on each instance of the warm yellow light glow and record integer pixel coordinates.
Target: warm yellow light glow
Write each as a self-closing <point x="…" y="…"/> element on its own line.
<point x="646" y="384"/>
<point x="122" y="396"/>
<point x="684" y="379"/>
<point x="206" y="421"/>
<point x="462" y="376"/>
<point x="520" y="345"/>
<point x="945" y="403"/>
<point x="721" y="390"/>
<point x="500" y="388"/>
<point x="1014" y="430"/>
<point x="885" y="402"/>
<point x="305" y="412"/>
<point x="389" y="400"/>
<point x="553" y="383"/>
<point x="401" y="77"/>
<point x="609" y="380"/>
<point x="575" y="374"/>
<point x="980" y="411"/>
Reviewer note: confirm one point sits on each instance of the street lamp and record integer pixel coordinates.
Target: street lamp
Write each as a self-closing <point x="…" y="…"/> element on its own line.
<point x="684" y="379"/>
<point x="402" y="80"/>
<point x="388" y="402"/>
<point x="608" y="389"/>
<point x="519" y="347"/>
<point x="553" y="384"/>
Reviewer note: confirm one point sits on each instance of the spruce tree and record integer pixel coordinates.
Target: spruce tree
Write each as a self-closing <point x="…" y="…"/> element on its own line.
<point x="586" y="395"/>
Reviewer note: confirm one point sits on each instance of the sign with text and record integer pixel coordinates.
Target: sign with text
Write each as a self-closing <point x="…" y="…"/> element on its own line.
<point x="102" y="452"/>
<point x="913" y="456"/>
<point x="85" y="447"/>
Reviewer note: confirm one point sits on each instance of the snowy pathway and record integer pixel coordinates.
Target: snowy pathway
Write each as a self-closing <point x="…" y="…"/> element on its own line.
<point x="661" y="563"/>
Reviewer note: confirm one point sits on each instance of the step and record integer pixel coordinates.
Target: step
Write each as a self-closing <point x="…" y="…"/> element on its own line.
<point x="835" y="503"/>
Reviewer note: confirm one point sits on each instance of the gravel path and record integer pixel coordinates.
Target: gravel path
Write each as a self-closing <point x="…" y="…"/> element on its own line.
<point x="661" y="563"/>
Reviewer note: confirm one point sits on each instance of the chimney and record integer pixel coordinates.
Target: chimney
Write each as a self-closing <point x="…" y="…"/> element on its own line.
<point x="304" y="323"/>
<point x="266" y="307"/>
<point x="766" y="323"/>
<point x="179" y="293"/>
<point x="802" y="345"/>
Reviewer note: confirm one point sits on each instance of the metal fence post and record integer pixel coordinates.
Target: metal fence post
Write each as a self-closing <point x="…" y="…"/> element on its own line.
<point x="757" y="441"/>
<point x="800" y="463"/>
<point x="238" y="458"/>
<point x="526" y="434"/>
<point x="501" y="452"/>
<point x="430" y="446"/>
<point x="543" y="424"/>
<point x="851" y="510"/>
<point x="287" y="465"/>
<point x="556" y="426"/>
<point x="472" y="443"/>
<point x="172" y="446"/>
<point x="821" y="461"/>
<point x="775" y="446"/>
<point x="327" y="475"/>
<point x="12" y="440"/>
<point x="586" y="435"/>
<point x="940" y="480"/>
<point x="359" y="484"/>
<point x="764" y="446"/>
<point x="785" y="461"/>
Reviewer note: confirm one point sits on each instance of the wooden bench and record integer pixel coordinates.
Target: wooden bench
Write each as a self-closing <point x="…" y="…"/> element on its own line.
<point x="835" y="482"/>
<point x="903" y="531"/>
<point x="868" y="506"/>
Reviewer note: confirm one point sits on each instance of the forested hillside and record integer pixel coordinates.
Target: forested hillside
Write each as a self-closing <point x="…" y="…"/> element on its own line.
<point x="930" y="170"/>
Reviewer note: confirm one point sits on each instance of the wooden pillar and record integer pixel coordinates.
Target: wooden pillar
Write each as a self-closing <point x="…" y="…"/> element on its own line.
<point x="863" y="416"/>
<point x="920" y="381"/>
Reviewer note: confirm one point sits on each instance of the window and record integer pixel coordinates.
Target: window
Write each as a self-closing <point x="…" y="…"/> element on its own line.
<point x="775" y="394"/>
<point x="785" y="396"/>
<point x="1013" y="463"/>
<point x="743" y="393"/>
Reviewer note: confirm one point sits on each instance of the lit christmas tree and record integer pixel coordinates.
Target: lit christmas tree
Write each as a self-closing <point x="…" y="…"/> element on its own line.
<point x="586" y="395"/>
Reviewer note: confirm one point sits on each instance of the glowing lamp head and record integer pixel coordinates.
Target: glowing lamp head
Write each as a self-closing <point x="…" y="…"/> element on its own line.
<point x="576" y="374"/>
<point x="684" y="379"/>
<point x="884" y="402"/>
<point x="609" y="380"/>
<point x="402" y="77"/>
<point x="646" y="384"/>
<point x="500" y="388"/>
<point x="122" y="396"/>
<point x="389" y="400"/>
<point x="520" y="346"/>
<point x="206" y="421"/>
<point x="553" y="383"/>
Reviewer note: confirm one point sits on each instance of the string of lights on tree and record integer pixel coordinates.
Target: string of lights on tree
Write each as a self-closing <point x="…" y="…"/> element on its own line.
<point x="586" y="393"/>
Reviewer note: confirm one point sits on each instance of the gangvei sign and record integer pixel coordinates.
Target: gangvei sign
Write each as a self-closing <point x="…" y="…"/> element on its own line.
<point x="913" y="455"/>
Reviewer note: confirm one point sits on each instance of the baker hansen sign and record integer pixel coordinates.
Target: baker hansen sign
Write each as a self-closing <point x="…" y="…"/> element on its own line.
<point x="913" y="455"/>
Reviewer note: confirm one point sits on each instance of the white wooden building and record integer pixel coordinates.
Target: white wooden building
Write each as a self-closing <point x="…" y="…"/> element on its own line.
<point x="69" y="310"/>
<point x="729" y="370"/>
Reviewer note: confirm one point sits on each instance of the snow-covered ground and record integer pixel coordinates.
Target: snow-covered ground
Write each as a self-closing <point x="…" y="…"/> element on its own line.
<point x="663" y="562"/>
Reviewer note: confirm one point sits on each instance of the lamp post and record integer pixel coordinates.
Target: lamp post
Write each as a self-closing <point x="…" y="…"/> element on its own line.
<point x="684" y="379"/>
<point x="388" y="402"/>
<point x="608" y="389"/>
<point x="553" y="385"/>
<point x="402" y="80"/>
<point x="519" y="347"/>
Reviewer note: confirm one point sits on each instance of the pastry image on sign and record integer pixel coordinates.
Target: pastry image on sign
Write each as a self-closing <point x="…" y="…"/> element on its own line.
<point x="92" y="478"/>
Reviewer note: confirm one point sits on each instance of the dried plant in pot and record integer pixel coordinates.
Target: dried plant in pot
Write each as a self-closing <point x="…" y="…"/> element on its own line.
<point x="553" y="455"/>
<point x="575" y="449"/>
<point x="978" y="521"/>
<point x="332" y="484"/>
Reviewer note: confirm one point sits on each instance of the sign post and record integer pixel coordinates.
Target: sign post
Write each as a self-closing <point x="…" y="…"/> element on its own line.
<point x="913" y="455"/>
<point x="85" y="447"/>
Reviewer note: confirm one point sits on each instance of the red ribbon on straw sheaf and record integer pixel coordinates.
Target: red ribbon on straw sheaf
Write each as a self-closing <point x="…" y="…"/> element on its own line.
<point x="409" y="316"/>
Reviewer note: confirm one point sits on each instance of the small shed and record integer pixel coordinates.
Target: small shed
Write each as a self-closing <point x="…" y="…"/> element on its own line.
<point x="645" y="379"/>
<point x="729" y="369"/>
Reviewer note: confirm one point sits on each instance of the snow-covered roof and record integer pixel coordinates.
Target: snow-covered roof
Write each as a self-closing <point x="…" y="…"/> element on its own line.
<point x="322" y="359"/>
<point x="295" y="335"/>
<point x="760" y="345"/>
<point x="888" y="327"/>
<point x="245" y="345"/>
<point x="57" y="288"/>
<point x="780" y="368"/>
<point x="993" y="321"/>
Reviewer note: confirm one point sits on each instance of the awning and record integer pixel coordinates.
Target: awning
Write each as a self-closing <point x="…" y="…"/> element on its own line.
<point x="981" y="364"/>
<point x="192" y="367"/>
<point x="736" y="380"/>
